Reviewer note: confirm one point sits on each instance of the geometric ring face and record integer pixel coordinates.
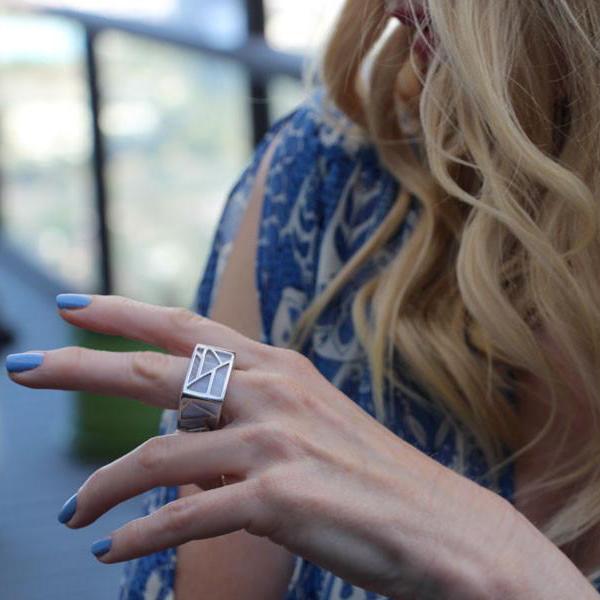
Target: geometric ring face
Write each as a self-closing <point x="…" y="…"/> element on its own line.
<point x="204" y="388"/>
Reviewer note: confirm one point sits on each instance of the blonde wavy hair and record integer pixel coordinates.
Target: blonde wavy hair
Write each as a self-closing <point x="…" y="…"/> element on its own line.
<point x="506" y="253"/>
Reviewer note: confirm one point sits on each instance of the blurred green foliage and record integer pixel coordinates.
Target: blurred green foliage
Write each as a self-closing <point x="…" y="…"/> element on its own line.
<point x="108" y="427"/>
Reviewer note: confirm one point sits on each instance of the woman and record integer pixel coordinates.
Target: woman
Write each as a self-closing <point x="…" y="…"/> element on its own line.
<point x="428" y="238"/>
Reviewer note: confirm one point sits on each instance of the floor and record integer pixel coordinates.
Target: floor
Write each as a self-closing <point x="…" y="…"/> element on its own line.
<point x="39" y="557"/>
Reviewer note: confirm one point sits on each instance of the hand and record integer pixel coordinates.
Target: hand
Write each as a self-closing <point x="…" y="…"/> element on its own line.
<point x="305" y="465"/>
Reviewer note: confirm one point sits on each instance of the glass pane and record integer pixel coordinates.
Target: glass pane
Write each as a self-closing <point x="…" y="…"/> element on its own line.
<point x="178" y="137"/>
<point x="285" y="94"/>
<point x="221" y="22"/>
<point x="143" y="9"/>
<point x="47" y="203"/>
<point x="300" y="26"/>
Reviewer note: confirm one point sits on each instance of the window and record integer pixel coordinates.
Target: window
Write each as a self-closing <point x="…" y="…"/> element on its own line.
<point x="175" y="121"/>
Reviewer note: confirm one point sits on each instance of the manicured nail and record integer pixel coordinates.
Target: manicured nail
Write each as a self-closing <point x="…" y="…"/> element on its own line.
<point x="68" y="510"/>
<point x="101" y="547"/>
<point x="15" y="363"/>
<point x="73" y="300"/>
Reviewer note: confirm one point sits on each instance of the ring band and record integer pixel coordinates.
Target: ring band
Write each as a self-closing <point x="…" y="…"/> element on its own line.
<point x="204" y="388"/>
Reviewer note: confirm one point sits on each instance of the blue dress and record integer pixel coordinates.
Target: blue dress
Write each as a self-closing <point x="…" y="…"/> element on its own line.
<point x="326" y="193"/>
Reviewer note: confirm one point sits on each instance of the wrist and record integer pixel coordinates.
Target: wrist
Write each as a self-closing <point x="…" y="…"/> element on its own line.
<point x="529" y="565"/>
<point x="461" y="541"/>
<point x="485" y="556"/>
<point x="462" y="528"/>
<point x="472" y="570"/>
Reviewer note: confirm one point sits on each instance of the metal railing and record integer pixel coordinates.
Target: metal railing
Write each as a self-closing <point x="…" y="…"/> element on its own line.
<point x="260" y="61"/>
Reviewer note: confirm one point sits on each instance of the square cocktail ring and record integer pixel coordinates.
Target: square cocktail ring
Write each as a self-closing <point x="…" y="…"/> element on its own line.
<point x="203" y="391"/>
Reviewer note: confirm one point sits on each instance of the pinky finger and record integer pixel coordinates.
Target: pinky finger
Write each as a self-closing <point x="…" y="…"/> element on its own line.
<point x="207" y="514"/>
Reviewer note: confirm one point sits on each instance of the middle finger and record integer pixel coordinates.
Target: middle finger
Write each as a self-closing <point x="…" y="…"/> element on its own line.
<point x="151" y="377"/>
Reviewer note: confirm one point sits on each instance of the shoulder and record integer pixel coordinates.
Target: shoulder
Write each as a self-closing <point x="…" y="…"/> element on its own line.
<point x="318" y="119"/>
<point x="315" y="144"/>
<point x="317" y="136"/>
<point x="320" y="156"/>
<point x="320" y="159"/>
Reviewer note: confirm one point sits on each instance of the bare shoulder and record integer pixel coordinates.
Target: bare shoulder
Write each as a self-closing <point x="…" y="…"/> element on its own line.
<point x="238" y="280"/>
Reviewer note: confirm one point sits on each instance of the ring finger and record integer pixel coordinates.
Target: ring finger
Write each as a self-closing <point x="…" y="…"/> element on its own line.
<point x="168" y="460"/>
<point x="151" y="377"/>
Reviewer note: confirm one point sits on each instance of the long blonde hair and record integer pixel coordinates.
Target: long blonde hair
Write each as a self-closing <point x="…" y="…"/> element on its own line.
<point x="506" y="251"/>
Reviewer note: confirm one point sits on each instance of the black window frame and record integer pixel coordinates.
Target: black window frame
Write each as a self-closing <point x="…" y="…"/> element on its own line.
<point x="260" y="61"/>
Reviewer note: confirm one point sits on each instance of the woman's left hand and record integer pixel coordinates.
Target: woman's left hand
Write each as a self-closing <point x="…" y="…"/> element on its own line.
<point x="305" y="465"/>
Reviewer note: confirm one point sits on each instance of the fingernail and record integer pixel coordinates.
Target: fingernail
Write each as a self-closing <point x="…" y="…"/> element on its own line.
<point x="73" y="300"/>
<point x="68" y="509"/>
<point x="15" y="363"/>
<point x="101" y="547"/>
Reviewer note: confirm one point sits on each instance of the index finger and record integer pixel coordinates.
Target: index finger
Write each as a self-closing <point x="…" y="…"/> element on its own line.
<point x="175" y="329"/>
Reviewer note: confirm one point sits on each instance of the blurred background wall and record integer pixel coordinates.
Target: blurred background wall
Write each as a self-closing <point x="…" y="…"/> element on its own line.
<point x="123" y="124"/>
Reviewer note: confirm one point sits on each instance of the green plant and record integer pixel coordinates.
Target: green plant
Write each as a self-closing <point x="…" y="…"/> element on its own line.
<point x="107" y="427"/>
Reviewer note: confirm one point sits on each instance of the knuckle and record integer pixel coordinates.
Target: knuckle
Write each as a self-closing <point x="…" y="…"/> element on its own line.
<point x="279" y="493"/>
<point x="92" y="486"/>
<point x="264" y="352"/>
<point x="74" y="357"/>
<point x="303" y="399"/>
<point x="283" y="390"/>
<point x="92" y="481"/>
<point x="252" y="435"/>
<point x="272" y="384"/>
<point x="298" y="393"/>
<point x="126" y="303"/>
<point x="62" y="368"/>
<point x="268" y="488"/>
<point x="182" y="318"/>
<point x="279" y="439"/>
<point x="149" y="367"/>
<point x="133" y="535"/>
<point x="287" y="390"/>
<point x="298" y="361"/>
<point x="151" y="454"/>
<point x="275" y="440"/>
<point x="177" y="516"/>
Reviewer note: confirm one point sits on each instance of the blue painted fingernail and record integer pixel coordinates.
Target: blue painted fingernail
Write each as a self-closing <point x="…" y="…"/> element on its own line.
<point x="15" y="363"/>
<point x="101" y="547"/>
<point x="73" y="300"/>
<point x="68" y="510"/>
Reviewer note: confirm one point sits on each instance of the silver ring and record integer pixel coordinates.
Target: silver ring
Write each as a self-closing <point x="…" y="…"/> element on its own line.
<point x="204" y="388"/>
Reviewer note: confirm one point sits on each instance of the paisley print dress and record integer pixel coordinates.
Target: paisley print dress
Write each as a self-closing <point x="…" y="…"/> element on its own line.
<point x="326" y="192"/>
